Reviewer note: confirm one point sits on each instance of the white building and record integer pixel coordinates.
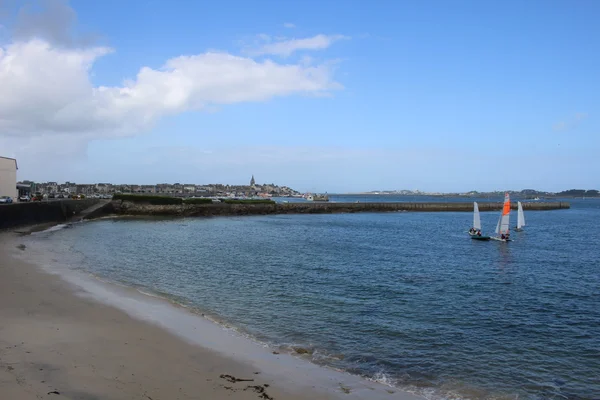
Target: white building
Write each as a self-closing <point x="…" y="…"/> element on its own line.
<point x="8" y="177"/>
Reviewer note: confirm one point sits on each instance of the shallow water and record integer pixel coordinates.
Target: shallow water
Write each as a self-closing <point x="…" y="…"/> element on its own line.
<point x="405" y="298"/>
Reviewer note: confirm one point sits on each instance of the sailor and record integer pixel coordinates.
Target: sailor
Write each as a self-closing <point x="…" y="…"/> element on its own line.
<point x="502" y="236"/>
<point x="478" y="233"/>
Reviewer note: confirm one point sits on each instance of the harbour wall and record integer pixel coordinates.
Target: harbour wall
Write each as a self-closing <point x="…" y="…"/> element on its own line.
<point x="125" y="207"/>
<point x="32" y="213"/>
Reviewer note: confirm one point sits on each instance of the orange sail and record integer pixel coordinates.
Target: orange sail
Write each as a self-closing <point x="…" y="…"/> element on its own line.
<point x="506" y="208"/>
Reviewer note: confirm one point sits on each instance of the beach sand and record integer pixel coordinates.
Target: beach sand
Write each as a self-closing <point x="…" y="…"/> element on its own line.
<point x="56" y="344"/>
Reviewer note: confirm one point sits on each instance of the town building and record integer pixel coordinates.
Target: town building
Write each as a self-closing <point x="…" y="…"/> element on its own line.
<point x="8" y="177"/>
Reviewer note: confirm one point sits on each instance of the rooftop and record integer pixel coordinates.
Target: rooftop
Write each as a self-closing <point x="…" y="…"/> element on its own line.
<point x="9" y="158"/>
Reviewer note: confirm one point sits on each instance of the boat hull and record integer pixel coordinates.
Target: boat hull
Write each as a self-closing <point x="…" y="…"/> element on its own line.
<point x="475" y="237"/>
<point x="500" y="239"/>
<point x="518" y="229"/>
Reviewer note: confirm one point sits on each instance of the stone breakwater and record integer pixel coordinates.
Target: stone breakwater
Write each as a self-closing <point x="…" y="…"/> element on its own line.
<point x="22" y="214"/>
<point x="124" y="207"/>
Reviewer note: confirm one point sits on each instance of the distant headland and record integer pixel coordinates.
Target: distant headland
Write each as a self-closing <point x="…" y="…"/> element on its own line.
<point x="526" y="193"/>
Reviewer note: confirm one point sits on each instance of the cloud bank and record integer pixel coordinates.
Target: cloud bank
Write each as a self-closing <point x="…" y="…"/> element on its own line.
<point x="285" y="46"/>
<point x="47" y="89"/>
<point x="45" y="72"/>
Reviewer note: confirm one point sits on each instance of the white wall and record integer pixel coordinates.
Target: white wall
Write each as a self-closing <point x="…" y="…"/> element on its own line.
<point x="8" y="178"/>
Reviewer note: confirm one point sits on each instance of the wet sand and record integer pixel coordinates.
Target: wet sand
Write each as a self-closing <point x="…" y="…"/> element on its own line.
<point x="58" y="342"/>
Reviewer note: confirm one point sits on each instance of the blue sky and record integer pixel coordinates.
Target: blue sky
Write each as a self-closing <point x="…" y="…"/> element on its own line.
<point x="436" y="96"/>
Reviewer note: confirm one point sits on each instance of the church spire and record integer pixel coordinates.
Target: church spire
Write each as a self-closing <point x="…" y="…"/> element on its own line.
<point x="252" y="182"/>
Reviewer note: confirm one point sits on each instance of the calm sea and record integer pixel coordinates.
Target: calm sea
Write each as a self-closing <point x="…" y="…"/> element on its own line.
<point x="404" y="298"/>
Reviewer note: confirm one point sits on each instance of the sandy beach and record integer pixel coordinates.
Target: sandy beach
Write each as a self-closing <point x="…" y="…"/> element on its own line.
<point x="57" y="343"/>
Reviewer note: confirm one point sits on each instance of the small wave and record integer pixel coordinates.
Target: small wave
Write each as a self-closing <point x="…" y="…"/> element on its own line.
<point x="382" y="378"/>
<point x="52" y="229"/>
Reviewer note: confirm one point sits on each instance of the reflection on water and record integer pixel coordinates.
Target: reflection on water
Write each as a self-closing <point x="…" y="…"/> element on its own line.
<point x="504" y="255"/>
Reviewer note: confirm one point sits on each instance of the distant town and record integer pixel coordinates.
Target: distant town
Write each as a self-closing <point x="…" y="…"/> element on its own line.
<point x="106" y="190"/>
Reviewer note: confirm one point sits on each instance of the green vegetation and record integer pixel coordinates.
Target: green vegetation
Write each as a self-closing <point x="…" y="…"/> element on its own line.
<point x="579" y="193"/>
<point x="155" y="200"/>
<point x="197" y="200"/>
<point x="248" y="201"/>
<point x="166" y="200"/>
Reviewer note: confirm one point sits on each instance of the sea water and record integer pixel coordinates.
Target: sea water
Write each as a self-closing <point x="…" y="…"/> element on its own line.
<point x="403" y="298"/>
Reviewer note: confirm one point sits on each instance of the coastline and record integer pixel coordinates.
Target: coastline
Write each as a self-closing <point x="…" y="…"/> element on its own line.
<point x="67" y="332"/>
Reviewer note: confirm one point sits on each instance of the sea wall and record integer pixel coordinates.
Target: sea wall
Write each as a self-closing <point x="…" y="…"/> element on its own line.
<point x="39" y="212"/>
<point x="124" y="207"/>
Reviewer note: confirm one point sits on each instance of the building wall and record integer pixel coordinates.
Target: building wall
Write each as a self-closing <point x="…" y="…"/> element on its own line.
<point x="8" y="177"/>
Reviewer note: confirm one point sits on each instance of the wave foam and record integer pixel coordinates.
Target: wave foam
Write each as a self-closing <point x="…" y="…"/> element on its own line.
<point x="52" y="229"/>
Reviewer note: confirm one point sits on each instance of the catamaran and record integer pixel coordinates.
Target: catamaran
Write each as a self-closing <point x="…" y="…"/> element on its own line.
<point x="520" y="217"/>
<point x="475" y="231"/>
<point x="502" y="229"/>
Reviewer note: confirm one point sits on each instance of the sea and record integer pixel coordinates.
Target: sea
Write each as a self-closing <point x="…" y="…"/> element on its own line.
<point x="403" y="298"/>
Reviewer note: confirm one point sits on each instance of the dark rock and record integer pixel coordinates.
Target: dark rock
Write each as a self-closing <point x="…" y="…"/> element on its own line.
<point x="233" y="379"/>
<point x="302" y="350"/>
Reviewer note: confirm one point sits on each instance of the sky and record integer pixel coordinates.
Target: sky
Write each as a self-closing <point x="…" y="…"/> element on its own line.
<point x="336" y="96"/>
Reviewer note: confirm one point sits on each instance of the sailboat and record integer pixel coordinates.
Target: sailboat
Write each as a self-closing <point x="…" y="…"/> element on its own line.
<point x="502" y="228"/>
<point x="520" y="217"/>
<point x="477" y="225"/>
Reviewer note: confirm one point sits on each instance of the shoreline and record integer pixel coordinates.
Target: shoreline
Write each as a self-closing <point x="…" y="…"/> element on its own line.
<point x="288" y="376"/>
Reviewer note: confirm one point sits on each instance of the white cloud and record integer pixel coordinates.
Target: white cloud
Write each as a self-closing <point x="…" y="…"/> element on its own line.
<point x="47" y="89"/>
<point x="289" y="25"/>
<point x="286" y="47"/>
<point x="571" y="122"/>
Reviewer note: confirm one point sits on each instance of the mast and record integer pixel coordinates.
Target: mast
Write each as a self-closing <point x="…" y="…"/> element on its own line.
<point x="505" y="217"/>
<point x="476" y="218"/>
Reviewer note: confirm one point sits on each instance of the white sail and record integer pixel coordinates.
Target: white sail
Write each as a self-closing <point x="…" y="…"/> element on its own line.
<point x="504" y="223"/>
<point x="520" y="216"/>
<point x="476" y="218"/>
<point x="505" y="218"/>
